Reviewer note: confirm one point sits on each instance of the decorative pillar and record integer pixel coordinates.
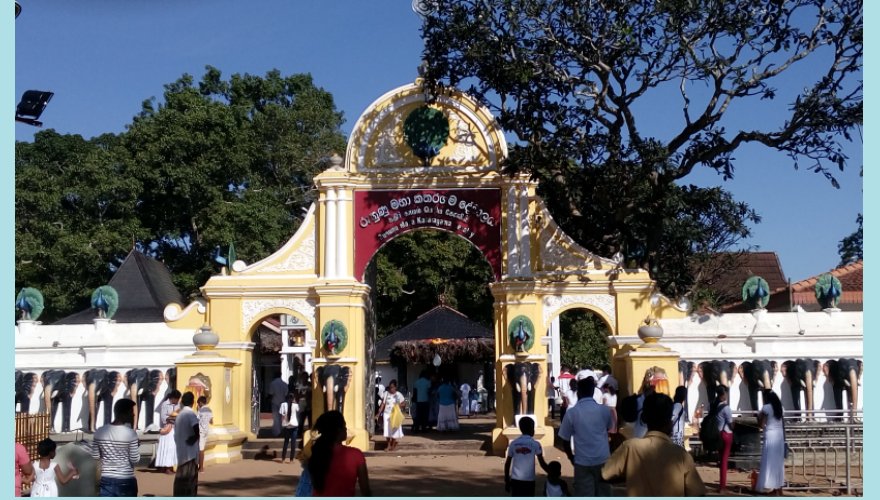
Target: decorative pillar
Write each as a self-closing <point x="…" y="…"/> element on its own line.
<point x="209" y="373"/>
<point x="512" y="234"/>
<point x="330" y="232"/>
<point x="343" y="233"/>
<point x="525" y="253"/>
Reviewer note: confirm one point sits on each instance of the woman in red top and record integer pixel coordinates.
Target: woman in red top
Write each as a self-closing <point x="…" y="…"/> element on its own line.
<point x="335" y="467"/>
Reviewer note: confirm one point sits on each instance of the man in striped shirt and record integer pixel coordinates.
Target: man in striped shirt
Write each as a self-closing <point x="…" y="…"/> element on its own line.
<point x="116" y="446"/>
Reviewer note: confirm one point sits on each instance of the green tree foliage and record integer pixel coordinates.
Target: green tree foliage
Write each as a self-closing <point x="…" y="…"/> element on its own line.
<point x="75" y="216"/>
<point x="415" y="269"/>
<point x="850" y="248"/>
<point x="582" y="339"/>
<point x="213" y="162"/>
<point x="576" y="81"/>
<point x="229" y="160"/>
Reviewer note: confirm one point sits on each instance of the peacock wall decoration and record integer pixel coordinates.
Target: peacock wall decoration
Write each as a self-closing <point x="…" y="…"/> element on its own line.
<point x="756" y="292"/>
<point x="106" y="301"/>
<point x="828" y="291"/>
<point x="30" y="302"/>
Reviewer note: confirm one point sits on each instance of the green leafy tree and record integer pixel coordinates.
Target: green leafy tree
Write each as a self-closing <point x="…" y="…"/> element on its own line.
<point x="414" y="270"/>
<point x="575" y="82"/>
<point x="213" y="162"/>
<point x="229" y="160"/>
<point x="582" y="339"/>
<point x="75" y="217"/>
<point x="850" y="248"/>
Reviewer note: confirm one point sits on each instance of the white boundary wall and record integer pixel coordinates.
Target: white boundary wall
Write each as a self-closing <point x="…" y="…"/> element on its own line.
<point x="822" y="336"/>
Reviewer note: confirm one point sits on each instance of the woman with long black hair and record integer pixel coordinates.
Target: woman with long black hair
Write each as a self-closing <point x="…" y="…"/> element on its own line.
<point x="772" y="471"/>
<point x="335" y="468"/>
<point x="724" y="419"/>
<point x="679" y="415"/>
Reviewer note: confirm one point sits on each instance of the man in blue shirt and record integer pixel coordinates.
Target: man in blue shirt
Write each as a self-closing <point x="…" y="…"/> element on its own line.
<point x="588" y="423"/>
<point x="421" y="395"/>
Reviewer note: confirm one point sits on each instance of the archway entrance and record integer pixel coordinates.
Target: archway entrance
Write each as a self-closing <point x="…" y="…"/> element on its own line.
<point x="417" y="161"/>
<point x="280" y="350"/>
<point x="434" y="310"/>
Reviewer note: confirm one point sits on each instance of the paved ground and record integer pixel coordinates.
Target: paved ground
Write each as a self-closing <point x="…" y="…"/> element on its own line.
<point x="466" y="476"/>
<point x="392" y="474"/>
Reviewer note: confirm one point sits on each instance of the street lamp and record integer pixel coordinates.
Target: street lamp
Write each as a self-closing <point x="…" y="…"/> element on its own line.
<point x="32" y="105"/>
<point x="17" y="9"/>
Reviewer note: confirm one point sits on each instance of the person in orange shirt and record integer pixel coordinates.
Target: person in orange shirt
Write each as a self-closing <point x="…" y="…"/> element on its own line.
<point x="654" y="465"/>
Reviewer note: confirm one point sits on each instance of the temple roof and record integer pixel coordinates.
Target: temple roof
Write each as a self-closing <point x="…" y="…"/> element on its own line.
<point x="144" y="286"/>
<point x="441" y="322"/>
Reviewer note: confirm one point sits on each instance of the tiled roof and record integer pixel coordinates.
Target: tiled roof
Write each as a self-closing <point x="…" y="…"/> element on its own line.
<point x="144" y="286"/>
<point x="851" y="279"/>
<point x="748" y="264"/>
<point x="441" y="322"/>
<point x="803" y="293"/>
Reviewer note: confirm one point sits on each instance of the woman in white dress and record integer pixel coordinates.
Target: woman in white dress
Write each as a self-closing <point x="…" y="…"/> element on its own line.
<point x="465" y="407"/>
<point x="166" y="449"/>
<point x="392" y="398"/>
<point x="772" y="473"/>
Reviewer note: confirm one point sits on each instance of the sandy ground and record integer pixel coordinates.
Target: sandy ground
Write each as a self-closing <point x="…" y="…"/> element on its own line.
<point x="415" y="476"/>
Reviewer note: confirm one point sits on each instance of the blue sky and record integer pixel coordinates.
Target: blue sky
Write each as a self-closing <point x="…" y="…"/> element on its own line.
<point x="102" y="58"/>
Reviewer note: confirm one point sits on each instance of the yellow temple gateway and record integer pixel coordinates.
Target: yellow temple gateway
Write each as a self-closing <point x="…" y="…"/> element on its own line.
<point x="414" y="161"/>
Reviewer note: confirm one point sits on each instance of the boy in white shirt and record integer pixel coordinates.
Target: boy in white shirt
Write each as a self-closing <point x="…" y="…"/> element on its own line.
<point x="519" y="468"/>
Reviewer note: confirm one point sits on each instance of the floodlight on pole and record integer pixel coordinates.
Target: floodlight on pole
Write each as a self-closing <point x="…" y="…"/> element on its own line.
<point x="32" y="105"/>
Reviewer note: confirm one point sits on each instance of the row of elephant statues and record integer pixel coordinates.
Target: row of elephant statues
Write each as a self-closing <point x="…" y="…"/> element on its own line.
<point x="59" y="390"/>
<point x="798" y="377"/>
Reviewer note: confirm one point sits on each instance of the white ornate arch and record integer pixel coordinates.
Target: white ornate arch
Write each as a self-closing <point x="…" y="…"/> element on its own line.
<point x="251" y="309"/>
<point x="606" y="304"/>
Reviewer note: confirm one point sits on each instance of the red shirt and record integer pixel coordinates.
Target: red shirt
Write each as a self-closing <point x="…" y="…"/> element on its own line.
<point x="21" y="457"/>
<point x="342" y="476"/>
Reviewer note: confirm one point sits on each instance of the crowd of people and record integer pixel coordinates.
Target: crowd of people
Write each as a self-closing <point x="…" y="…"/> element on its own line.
<point x="641" y="439"/>
<point x="649" y="456"/>
<point x="180" y="451"/>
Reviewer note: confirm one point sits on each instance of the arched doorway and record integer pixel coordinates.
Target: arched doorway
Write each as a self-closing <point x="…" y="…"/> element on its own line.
<point x="430" y="295"/>
<point x="280" y="349"/>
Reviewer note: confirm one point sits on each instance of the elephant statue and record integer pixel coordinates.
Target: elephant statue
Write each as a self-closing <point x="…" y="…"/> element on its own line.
<point x="101" y="387"/>
<point x="523" y="378"/>
<point x="801" y="375"/>
<point x="685" y="372"/>
<point x="24" y="389"/>
<point x="715" y="373"/>
<point x="136" y="380"/>
<point x="58" y="389"/>
<point x="844" y="376"/>
<point x="151" y="390"/>
<point x="334" y="380"/>
<point x="758" y="375"/>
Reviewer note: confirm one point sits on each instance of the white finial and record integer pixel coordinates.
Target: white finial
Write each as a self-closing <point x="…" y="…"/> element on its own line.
<point x="424" y="8"/>
<point x="335" y="163"/>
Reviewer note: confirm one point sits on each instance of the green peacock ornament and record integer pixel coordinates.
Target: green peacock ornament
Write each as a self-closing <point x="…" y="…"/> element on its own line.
<point x="106" y="301"/>
<point x="426" y="131"/>
<point x="828" y="291"/>
<point x="334" y="337"/>
<point x="756" y="292"/>
<point x="30" y="302"/>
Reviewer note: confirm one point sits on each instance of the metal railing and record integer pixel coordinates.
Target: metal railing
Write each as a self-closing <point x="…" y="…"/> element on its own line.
<point x="825" y="449"/>
<point x="30" y="430"/>
<point x="825" y="455"/>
